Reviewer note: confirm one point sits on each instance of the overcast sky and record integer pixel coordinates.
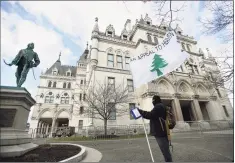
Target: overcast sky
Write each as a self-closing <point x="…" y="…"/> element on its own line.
<point x="65" y="27"/>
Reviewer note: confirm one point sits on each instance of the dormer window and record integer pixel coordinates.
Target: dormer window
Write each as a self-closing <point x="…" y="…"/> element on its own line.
<point x="109" y="33"/>
<point x="149" y="38"/>
<point x="68" y="74"/>
<point x="148" y="22"/>
<point x="180" y="32"/>
<point x="164" y="28"/>
<point x="54" y="72"/>
<point x="124" y="37"/>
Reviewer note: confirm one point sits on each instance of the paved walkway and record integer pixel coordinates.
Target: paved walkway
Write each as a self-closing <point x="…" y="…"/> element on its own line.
<point x="226" y="132"/>
<point x="92" y="155"/>
<point x="198" y="149"/>
<point x="185" y="150"/>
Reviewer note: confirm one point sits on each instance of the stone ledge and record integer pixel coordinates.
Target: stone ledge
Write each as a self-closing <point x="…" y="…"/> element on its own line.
<point x="75" y="158"/>
<point x="16" y="150"/>
<point x="11" y="136"/>
<point x="16" y="93"/>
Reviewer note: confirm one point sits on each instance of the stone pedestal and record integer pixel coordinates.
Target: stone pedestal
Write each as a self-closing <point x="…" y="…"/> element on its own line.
<point x="181" y="126"/>
<point x="14" y="111"/>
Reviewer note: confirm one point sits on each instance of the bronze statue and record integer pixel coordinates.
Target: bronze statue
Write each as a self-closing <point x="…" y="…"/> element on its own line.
<point x="24" y="61"/>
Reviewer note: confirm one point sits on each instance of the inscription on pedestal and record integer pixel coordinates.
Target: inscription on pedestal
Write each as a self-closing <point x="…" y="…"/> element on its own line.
<point x="7" y="117"/>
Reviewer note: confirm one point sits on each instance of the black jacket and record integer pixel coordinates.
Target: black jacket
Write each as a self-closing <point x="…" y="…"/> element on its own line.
<point x="157" y="114"/>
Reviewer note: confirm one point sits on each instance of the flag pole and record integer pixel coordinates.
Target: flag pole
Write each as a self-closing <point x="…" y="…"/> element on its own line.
<point x="147" y="139"/>
<point x="146" y="135"/>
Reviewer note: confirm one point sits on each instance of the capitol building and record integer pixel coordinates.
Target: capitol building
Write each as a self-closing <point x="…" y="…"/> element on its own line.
<point x="61" y="100"/>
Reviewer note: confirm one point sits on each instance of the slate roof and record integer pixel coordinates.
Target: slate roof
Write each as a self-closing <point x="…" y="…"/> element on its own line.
<point x="62" y="69"/>
<point x="83" y="57"/>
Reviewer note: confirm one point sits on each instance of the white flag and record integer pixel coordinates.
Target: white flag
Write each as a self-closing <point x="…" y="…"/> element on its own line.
<point x="159" y="61"/>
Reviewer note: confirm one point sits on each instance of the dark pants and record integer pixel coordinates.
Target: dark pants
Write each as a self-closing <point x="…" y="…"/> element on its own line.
<point x="163" y="144"/>
<point x="21" y="74"/>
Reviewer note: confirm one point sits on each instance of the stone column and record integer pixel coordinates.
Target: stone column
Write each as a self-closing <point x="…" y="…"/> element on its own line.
<point x="197" y="109"/>
<point x="52" y="126"/>
<point x="42" y="128"/>
<point x="185" y="70"/>
<point x="177" y="109"/>
<point x="38" y="127"/>
<point x="214" y="110"/>
<point x="47" y="128"/>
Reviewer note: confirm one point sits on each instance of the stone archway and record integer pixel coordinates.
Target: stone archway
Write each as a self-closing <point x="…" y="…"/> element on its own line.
<point x="44" y="123"/>
<point x="202" y="90"/>
<point x="184" y="87"/>
<point x="164" y="86"/>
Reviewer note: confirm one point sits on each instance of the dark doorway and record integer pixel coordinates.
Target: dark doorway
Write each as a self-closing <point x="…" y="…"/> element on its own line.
<point x="187" y="110"/>
<point x="63" y="122"/>
<point x="204" y="110"/>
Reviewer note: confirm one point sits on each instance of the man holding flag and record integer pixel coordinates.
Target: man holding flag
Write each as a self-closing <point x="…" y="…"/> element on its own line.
<point x="159" y="61"/>
<point x="158" y="128"/>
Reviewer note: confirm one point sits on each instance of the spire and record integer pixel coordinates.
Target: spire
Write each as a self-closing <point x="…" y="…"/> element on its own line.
<point x="209" y="53"/>
<point x="59" y="58"/>
<point x="200" y="51"/>
<point x="86" y="51"/>
<point x="96" y="27"/>
<point x="141" y="19"/>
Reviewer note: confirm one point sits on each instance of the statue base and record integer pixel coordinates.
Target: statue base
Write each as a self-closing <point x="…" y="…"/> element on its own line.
<point x="14" y="111"/>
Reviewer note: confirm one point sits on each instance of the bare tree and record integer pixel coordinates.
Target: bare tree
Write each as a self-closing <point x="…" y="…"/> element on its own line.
<point x="106" y="101"/>
<point x="220" y="21"/>
<point x="223" y="77"/>
<point x="167" y="13"/>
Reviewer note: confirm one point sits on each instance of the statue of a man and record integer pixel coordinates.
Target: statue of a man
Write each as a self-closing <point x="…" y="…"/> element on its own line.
<point x="24" y="61"/>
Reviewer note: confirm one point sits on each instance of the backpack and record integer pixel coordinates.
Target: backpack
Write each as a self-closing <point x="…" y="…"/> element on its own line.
<point x="170" y="117"/>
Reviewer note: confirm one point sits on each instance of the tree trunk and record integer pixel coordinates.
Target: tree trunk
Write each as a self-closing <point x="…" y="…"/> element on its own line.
<point x="105" y="127"/>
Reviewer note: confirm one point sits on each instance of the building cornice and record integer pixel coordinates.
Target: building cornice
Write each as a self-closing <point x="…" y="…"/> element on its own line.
<point x="113" y="70"/>
<point x="114" y="40"/>
<point x="71" y="78"/>
<point x="160" y="32"/>
<point x="210" y="62"/>
<point x="81" y="75"/>
<point x="54" y="88"/>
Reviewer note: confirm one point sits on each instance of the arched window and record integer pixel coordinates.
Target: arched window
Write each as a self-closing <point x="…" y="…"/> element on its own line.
<point x="49" y="84"/>
<point x="81" y="110"/>
<point x="49" y="98"/>
<point x="183" y="46"/>
<point x="64" y="99"/>
<point x="54" y="84"/>
<point x="155" y="40"/>
<point x="149" y="38"/>
<point x="64" y="85"/>
<point x="68" y="74"/>
<point x="188" y="47"/>
<point x="69" y="85"/>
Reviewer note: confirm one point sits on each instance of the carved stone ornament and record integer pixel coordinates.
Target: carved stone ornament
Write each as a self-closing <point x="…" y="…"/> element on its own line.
<point x="33" y="118"/>
<point x="42" y="95"/>
<point x="57" y="96"/>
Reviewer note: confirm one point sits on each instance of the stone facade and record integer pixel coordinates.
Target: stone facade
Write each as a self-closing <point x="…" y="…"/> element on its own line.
<point x="187" y="89"/>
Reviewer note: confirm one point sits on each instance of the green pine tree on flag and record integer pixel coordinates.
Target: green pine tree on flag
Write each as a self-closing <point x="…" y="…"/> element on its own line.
<point x="158" y="63"/>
